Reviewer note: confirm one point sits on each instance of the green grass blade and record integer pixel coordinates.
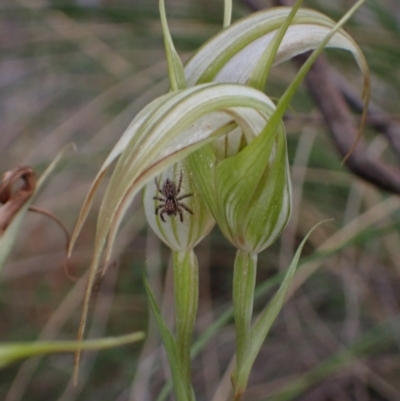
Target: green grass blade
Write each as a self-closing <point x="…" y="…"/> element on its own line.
<point x="267" y="317"/>
<point x="12" y="352"/>
<point x="170" y="347"/>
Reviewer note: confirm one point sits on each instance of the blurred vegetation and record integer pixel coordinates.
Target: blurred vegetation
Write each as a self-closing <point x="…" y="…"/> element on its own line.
<point x="79" y="71"/>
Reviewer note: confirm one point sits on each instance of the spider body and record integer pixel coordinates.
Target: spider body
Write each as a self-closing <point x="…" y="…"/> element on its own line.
<point x="171" y="202"/>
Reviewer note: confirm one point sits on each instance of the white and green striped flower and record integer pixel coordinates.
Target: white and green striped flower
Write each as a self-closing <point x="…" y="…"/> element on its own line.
<point x="191" y="222"/>
<point x="248" y="193"/>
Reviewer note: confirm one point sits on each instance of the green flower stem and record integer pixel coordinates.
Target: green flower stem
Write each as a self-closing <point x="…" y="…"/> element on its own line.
<point x="186" y="293"/>
<point x="244" y="278"/>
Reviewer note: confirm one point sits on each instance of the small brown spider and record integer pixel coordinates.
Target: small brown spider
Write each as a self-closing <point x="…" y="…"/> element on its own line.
<point x="171" y="202"/>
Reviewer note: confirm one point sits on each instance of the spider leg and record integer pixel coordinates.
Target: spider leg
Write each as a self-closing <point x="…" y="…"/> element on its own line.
<point x="162" y="215"/>
<point x="183" y="196"/>
<point x="184" y="207"/>
<point x="158" y="186"/>
<point x="180" y="215"/>
<point x="159" y="207"/>
<point x="179" y="184"/>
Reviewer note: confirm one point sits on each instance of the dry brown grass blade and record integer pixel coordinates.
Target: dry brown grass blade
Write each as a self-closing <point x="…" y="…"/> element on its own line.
<point x="13" y="200"/>
<point x="51" y="216"/>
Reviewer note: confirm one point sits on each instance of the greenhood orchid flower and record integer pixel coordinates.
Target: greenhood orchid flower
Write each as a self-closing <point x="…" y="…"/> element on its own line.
<point x="175" y="209"/>
<point x="249" y="193"/>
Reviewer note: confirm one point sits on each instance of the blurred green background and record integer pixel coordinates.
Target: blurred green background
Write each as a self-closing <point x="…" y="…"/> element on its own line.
<point x="79" y="71"/>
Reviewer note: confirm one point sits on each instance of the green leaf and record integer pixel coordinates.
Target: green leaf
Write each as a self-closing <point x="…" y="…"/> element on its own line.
<point x="12" y="352"/>
<point x="170" y="348"/>
<point x="268" y="315"/>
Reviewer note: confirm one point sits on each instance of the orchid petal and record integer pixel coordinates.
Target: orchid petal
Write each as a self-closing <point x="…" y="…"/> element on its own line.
<point x="230" y="55"/>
